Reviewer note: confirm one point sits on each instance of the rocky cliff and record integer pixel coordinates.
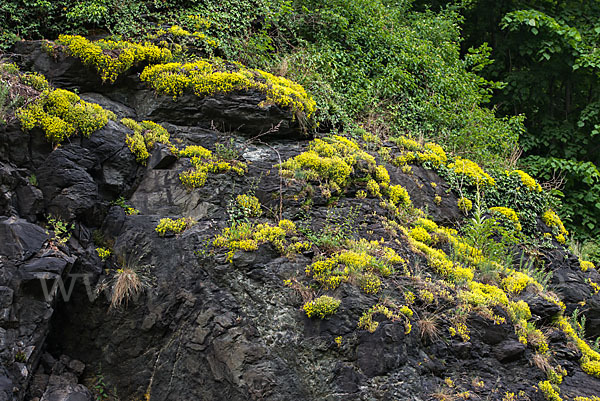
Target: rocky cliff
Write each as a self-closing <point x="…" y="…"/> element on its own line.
<point x="300" y="268"/>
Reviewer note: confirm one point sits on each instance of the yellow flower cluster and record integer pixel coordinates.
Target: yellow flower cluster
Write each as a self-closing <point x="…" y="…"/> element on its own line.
<point x="527" y="180"/>
<point x="432" y="153"/>
<point x="399" y="196"/>
<point x="585" y="265"/>
<point x="195" y="151"/>
<point x="550" y="393"/>
<point x="373" y="188"/>
<point x="464" y="251"/>
<point x="426" y="296"/>
<point x="439" y="261"/>
<point x="330" y="160"/>
<point x="516" y="282"/>
<point x="406" y="143"/>
<point x="203" y="163"/>
<point x="104" y="253"/>
<point x="590" y="360"/>
<point x="381" y="175"/>
<point x="177" y="226"/>
<point x="112" y="58"/>
<point x="465" y="205"/>
<point x="145" y="135"/>
<point x="508" y="214"/>
<point x="208" y="77"/>
<point x="479" y="294"/>
<point x="369" y="283"/>
<point x="420" y="234"/>
<point x="36" y="81"/>
<point x="250" y="205"/>
<point x="364" y="257"/>
<point x="595" y="286"/>
<point x="61" y="114"/>
<point x="553" y="221"/>
<point x="472" y="172"/>
<point x="427" y="224"/>
<point x="321" y="307"/>
<point x="247" y="237"/>
<point x="461" y="329"/>
<point x="366" y="320"/>
<point x="429" y="152"/>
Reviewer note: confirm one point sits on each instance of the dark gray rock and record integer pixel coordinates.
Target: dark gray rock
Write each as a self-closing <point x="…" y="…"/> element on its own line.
<point x="160" y="192"/>
<point x="20" y="239"/>
<point x="509" y="350"/>
<point x="422" y="193"/>
<point x="382" y="351"/>
<point x="121" y="110"/>
<point x="69" y="392"/>
<point x="30" y="202"/>
<point x="161" y="157"/>
<point x="239" y="112"/>
<point x="69" y="190"/>
<point x="541" y="307"/>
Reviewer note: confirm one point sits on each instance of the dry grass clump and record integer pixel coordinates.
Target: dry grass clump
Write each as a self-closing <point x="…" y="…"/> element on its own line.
<point x="127" y="284"/>
<point x="429" y="328"/>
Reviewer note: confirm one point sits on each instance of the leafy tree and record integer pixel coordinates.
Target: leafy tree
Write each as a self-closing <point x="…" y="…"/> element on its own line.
<point x="546" y="53"/>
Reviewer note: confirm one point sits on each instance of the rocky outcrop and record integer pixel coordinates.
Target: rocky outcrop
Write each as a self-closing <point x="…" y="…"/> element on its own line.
<point x="205" y="327"/>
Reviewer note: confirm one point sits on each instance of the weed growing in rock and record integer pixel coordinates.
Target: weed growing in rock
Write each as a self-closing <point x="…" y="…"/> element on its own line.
<point x="129" y="210"/>
<point x="60" y="228"/>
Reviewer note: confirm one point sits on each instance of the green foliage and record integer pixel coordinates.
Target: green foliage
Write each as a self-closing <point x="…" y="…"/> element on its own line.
<point x="365" y="53"/>
<point x="11" y="95"/>
<point x="339" y="227"/>
<point x="580" y="196"/>
<point x="482" y="232"/>
<point x="61" y="229"/>
<point x="129" y="210"/>
<point x="546" y="52"/>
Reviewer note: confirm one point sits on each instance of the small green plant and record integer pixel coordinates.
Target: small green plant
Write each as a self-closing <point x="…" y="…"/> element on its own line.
<point x="20" y="357"/>
<point x="129" y="210"/>
<point x="32" y="179"/>
<point x="100" y="388"/>
<point x="61" y="229"/>
<point x="227" y="151"/>
<point x="338" y="227"/>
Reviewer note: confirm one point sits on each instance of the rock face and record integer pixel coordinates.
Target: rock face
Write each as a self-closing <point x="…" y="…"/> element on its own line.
<point x="205" y="328"/>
